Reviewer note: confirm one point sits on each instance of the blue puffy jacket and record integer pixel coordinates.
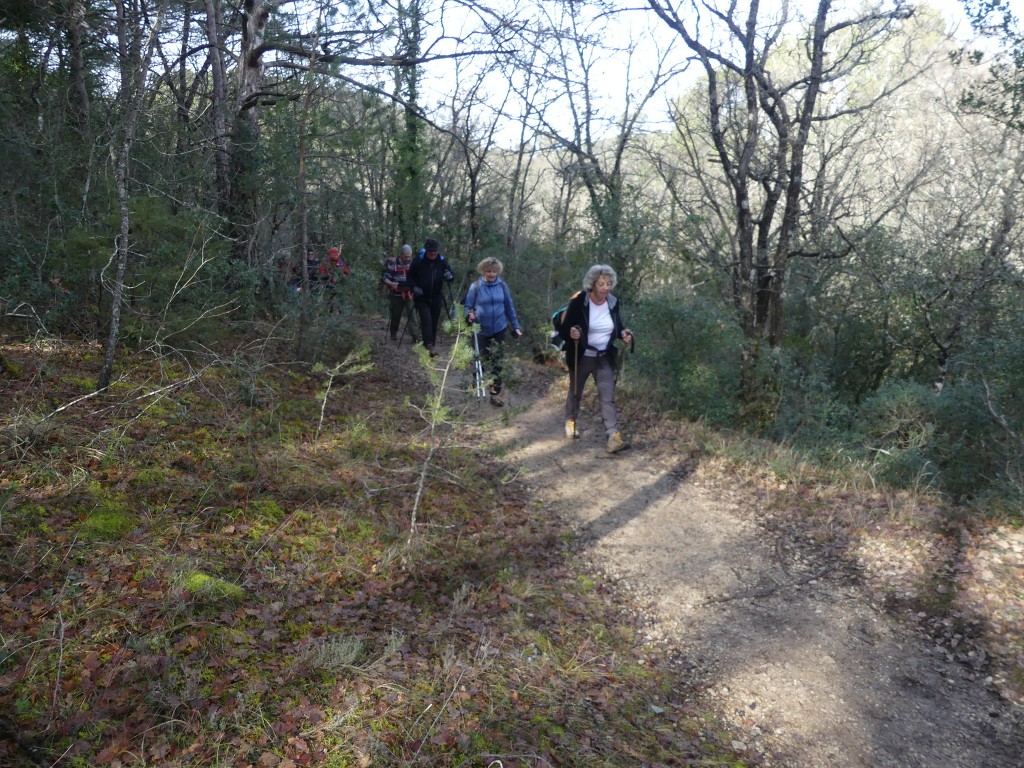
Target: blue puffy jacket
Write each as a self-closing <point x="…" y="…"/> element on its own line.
<point x="492" y="303"/>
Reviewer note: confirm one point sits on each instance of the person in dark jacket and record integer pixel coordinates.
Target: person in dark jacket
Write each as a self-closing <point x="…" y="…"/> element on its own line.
<point x="427" y="276"/>
<point x="312" y="267"/>
<point x="489" y="303"/>
<point x="590" y="323"/>
<point x="395" y="279"/>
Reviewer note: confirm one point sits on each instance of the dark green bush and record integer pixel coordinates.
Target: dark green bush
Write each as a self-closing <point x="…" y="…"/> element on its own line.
<point x="898" y="427"/>
<point x="811" y="414"/>
<point x="946" y="438"/>
<point x="688" y="353"/>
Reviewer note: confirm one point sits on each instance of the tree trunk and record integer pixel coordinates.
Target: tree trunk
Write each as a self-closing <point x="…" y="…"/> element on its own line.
<point x="76" y="29"/>
<point x="218" y="105"/>
<point x="120" y="262"/>
<point x="243" y="181"/>
<point x="134" y="67"/>
<point x="409" y="198"/>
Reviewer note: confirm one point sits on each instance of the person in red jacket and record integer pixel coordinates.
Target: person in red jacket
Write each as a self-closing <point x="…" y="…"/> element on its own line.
<point x="329" y="273"/>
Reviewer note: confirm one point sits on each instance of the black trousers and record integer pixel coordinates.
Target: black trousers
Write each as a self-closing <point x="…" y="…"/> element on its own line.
<point x="398" y="308"/>
<point x="429" y="309"/>
<point x="492" y="355"/>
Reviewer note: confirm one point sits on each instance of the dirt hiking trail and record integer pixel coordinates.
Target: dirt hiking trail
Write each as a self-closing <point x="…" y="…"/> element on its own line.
<point x="773" y="634"/>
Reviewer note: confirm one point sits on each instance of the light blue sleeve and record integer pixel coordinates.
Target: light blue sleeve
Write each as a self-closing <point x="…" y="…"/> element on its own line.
<point x="510" y="309"/>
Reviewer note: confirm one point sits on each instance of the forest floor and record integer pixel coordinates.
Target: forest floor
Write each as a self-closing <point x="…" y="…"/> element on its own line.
<point x="244" y="561"/>
<point x="828" y="634"/>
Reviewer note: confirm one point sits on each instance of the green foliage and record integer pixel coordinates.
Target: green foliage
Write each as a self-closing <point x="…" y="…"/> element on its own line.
<point x="898" y="425"/>
<point x="177" y="273"/>
<point x="963" y="440"/>
<point x="688" y="353"/>
<point x="923" y="438"/>
<point x="811" y="415"/>
<point x="985" y="405"/>
<point x="148" y="477"/>
<point x="967" y="443"/>
<point x="266" y="509"/>
<point x="854" y="355"/>
<point x="761" y="386"/>
<point x="337" y="653"/>
<point x="1001" y="94"/>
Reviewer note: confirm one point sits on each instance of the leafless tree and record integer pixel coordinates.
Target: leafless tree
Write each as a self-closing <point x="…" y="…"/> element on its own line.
<point x="594" y="123"/>
<point x="137" y="26"/>
<point x="764" y="99"/>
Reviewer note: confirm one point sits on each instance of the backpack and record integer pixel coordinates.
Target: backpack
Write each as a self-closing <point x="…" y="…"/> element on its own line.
<point x="555" y="340"/>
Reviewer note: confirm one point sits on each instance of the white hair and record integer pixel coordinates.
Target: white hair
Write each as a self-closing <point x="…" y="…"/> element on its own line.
<point x="596" y="271"/>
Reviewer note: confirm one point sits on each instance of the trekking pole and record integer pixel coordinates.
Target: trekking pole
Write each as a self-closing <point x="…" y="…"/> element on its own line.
<point x="577" y="390"/>
<point x="401" y="336"/>
<point x="408" y="318"/>
<point x="478" y="368"/>
<point x="463" y="290"/>
<point x="620" y="365"/>
<point x="450" y="305"/>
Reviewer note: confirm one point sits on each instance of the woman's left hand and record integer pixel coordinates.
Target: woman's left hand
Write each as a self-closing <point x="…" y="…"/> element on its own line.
<point x="627" y="336"/>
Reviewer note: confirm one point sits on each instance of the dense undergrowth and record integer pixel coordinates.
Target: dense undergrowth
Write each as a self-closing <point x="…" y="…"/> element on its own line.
<point x="212" y="564"/>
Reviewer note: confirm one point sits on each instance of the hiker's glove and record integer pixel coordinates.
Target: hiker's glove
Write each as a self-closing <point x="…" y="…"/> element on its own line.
<point x="449" y="275"/>
<point x="417" y="291"/>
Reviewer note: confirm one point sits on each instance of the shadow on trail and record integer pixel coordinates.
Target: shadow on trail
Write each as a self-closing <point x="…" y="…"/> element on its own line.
<point x="662" y="490"/>
<point x="792" y="655"/>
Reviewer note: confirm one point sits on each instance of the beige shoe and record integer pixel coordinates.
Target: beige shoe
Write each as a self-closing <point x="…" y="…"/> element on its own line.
<point x="496" y="398"/>
<point x="570" y="429"/>
<point x="616" y="443"/>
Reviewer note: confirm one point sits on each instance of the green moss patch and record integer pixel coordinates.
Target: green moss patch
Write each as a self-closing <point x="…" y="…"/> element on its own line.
<point x="209" y="587"/>
<point x="107" y="525"/>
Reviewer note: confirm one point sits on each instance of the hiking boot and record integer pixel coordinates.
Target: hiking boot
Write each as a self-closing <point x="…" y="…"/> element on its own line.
<point x="570" y="429"/>
<point x="394" y="337"/>
<point x="430" y="349"/>
<point x="616" y="443"/>
<point x="496" y="398"/>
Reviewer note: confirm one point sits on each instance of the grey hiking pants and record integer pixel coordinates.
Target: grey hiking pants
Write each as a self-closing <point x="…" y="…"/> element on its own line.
<point x="604" y="377"/>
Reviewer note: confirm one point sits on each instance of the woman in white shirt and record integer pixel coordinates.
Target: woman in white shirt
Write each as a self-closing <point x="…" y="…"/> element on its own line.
<point x="589" y="324"/>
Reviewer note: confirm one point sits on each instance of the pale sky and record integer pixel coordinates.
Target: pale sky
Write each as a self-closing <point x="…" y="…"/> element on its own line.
<point x="645" y="27"/>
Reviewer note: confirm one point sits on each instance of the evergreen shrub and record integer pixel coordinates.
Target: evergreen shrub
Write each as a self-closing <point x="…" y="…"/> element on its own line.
<point x="897" y="425"/>
<point x="811" y="415"/>
<point x="688" y="353"/>
<point x="966" y="445"/>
